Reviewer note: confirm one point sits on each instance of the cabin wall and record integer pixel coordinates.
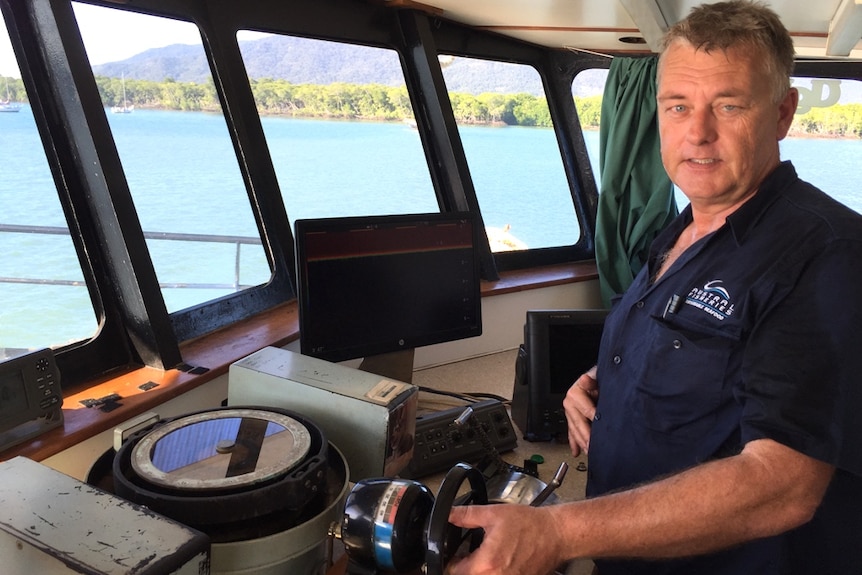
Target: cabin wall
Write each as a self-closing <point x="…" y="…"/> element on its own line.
<point x="503" y="321"/>
<point x="503" y="329"/>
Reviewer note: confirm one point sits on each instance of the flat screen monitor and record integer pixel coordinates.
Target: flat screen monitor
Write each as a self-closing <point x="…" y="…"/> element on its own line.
<point x="559" y="346"/>
<point x="381" y="284"/>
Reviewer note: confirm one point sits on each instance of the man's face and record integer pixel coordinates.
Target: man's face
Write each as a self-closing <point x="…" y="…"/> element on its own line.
<point x="719" y="124"/>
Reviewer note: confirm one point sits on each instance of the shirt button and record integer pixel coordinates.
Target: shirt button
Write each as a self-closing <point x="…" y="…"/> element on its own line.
<point x="640" y="305"/>
<point x="597" y="416"/>
<point x="617" y="360"/>
<point x="677" y="344"/>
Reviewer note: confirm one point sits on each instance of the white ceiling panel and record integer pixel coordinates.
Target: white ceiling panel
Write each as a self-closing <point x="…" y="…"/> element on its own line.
<point x="598" y="25"/>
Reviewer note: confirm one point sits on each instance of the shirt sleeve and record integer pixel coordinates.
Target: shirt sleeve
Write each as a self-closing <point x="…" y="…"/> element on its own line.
<point x="802" y="369"/>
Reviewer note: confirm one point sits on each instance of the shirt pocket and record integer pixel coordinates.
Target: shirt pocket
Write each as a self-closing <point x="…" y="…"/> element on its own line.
<point x="686" y="377"/>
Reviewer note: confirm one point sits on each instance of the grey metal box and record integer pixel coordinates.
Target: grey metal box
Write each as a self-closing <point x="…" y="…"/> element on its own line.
<point x="370" y="418"/>
<point x="53" y="523"/>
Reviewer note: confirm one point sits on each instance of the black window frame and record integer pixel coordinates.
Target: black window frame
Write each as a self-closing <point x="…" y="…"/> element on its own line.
<point x="135" y="327"/>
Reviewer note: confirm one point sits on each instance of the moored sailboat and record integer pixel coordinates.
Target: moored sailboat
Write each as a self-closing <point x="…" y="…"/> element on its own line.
<point x="8" y="105"/>
<point x="124" y="107"/>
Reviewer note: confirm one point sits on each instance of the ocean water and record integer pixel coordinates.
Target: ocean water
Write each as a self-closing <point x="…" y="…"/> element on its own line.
<point x="187" y="180"/>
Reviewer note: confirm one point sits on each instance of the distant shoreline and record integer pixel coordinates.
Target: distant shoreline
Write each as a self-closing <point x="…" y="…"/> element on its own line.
<point x="793" y="133"/>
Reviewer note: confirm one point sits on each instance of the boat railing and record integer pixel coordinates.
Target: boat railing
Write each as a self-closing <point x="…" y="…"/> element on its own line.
<point x="237" y="241"/>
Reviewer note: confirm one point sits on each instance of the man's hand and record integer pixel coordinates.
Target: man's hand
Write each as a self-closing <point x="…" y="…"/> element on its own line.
<point x="512" y="542"/>
<point x="580" y="408"/>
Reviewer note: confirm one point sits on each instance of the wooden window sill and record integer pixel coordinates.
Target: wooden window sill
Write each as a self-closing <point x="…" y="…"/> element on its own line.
<point x="210" y="356"/>
<point x="534" y="278"/>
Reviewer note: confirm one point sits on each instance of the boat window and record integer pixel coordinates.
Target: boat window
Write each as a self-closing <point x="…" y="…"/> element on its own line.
<point x="176" y="153"/>
<point x="587" y="89"/>
<point x="514" y="159"/>
<point x="825" y="140"/>
<point x="339" y="127"/>
<point x="45" y="302"/>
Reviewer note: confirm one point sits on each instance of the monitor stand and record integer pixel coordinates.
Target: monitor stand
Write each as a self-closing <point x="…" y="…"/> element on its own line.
<point x="396" y="365"/>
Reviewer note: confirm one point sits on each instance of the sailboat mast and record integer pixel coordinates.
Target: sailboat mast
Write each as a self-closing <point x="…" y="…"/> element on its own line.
<point x="123" y="107"/>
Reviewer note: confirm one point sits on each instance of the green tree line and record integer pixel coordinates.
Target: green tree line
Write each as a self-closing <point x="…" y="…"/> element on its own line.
<point x="387" y="103"/>
<point x="840" y="120"/>
<point x="338" y="100"/>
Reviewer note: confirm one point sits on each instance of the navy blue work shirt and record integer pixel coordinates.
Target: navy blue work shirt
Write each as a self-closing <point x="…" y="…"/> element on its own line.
<point x="754" y="332"/>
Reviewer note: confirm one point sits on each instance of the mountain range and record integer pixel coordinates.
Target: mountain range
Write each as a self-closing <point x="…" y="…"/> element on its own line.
<point x="304" y="61"/>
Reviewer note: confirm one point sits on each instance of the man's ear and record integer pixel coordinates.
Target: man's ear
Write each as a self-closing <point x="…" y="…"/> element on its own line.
<point x="786" y="110"/>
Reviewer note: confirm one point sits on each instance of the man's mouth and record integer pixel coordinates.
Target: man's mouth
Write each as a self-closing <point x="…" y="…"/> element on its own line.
<point x="702" y="161"/>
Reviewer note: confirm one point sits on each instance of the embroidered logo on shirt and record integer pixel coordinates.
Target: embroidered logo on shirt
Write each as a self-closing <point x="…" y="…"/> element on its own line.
<point x="713" y="298"/>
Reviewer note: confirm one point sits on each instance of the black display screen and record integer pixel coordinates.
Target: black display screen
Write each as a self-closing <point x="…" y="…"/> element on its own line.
<point x="572" y="350"/>
<point x="379" y="284"/>
<point x="13" y="396"/>
<point x="562" y="345"/>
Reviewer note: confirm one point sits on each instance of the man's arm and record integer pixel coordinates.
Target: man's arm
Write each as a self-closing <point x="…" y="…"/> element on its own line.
<point x="765" y="490"/>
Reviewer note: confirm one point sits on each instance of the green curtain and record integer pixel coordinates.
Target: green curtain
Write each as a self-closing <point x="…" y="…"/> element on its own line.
<point x="636" y="199"/>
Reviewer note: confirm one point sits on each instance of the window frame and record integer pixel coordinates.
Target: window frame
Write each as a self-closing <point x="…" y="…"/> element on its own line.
<point x="135" y="327"/>
<point x="556" y="70"/>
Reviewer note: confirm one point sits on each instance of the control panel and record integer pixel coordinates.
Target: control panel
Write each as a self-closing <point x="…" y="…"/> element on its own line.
<point x="440" y="443"/>
<point x="30" y="397"/>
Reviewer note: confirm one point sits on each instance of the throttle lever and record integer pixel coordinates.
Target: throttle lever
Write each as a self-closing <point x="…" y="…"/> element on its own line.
<point x="555" y="482"/>
<point x="466" y="418"/>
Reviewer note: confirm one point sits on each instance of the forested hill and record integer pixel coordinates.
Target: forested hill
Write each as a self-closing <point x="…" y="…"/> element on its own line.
<point x="300" y="61"/>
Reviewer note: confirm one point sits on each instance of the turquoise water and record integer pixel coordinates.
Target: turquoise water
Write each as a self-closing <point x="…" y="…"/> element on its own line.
<point x="187" y="180"/>
<point x="829" y="164"/>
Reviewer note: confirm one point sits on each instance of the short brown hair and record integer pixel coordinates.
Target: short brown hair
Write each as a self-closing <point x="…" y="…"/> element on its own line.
<point x="724" y="25"/>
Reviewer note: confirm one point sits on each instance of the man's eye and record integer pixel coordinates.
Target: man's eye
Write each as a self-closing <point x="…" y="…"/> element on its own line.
<point x="678" y="108"/>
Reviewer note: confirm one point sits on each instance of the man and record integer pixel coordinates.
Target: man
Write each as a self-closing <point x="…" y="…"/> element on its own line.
<point x="722" y="421"/>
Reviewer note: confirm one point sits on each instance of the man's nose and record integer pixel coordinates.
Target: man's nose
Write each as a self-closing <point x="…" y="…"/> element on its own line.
<point x="701" y="127"/>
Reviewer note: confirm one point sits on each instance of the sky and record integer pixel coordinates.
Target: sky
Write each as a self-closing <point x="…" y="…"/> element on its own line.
<point x="111" y="35"/>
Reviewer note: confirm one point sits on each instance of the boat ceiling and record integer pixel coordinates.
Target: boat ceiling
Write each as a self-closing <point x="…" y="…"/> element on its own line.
<point x="820" y="28"/>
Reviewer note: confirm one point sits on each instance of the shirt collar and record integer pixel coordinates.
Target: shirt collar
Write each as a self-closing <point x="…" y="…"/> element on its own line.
<point x="744" y="218"/>
<point x="748" y="214"/>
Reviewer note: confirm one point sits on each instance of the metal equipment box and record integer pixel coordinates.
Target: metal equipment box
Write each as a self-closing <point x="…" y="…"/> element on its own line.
<point x="371" y="419"/>
<point x="53" y="523"/>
